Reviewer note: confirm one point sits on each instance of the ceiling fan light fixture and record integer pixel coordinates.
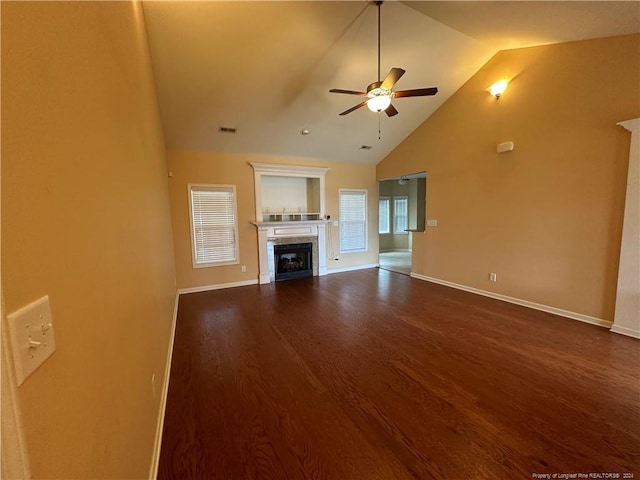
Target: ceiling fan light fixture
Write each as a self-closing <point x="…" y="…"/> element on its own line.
<point x="379" y="99"/>
<point x="380" y="93"/>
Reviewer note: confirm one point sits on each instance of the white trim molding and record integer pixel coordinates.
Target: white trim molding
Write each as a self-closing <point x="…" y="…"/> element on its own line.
<point x="626" y="319"/>
<point x="525" y="303"/>
<point x="629" y="332"/>
<point x="14" y="462"/>
<point x="155" y="458"/>
<point x="219" y="286"/>
<point x="289" y="170"/>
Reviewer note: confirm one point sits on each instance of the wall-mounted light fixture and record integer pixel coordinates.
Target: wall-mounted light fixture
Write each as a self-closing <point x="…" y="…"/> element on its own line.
<point x="504" y="147"/>
<point x="498" y="88"/>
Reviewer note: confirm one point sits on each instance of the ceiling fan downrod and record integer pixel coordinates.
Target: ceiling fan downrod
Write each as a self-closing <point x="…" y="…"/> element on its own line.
<point x="378" y="3"/>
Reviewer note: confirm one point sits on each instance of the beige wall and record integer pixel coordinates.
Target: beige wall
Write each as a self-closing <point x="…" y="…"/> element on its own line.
<point x="221" y="168"/>
<point x="86" y="220"/>
<point x="546" y="217"/>
<point x="417" y="203"/>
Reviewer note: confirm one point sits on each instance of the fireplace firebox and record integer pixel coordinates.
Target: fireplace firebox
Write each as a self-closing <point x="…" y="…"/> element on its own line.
<point x="293" y="260"/>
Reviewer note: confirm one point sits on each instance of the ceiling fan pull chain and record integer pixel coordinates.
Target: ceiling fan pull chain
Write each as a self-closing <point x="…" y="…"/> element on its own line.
<point x="379" y="137"/>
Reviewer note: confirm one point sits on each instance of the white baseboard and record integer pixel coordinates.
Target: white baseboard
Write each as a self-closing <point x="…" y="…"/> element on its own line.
<point x="14" y="461"/>
<point x="525" y="303"/>
<point x="629" y="332"/>
<point x="352" y="269"/>
<point x="206" y="288"/>
<point x="155" y="458"/>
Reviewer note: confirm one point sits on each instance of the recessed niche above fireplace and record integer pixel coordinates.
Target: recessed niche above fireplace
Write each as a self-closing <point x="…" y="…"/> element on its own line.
<point x="289" y="193"/>
<point x="290" y="198"/>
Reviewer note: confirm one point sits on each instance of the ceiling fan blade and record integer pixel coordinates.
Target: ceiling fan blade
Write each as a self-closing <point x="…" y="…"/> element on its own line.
<point x="391" y="111"/>
<point x="392" y="77"/>
<point x="418" y="92"/>
<point x="348" y="92"/>
<point x="354" y="108"/>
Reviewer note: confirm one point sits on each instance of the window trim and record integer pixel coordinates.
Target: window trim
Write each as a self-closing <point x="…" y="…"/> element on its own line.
<point x="204" y="186"/>
<point x="388" y="200"/>
<point x="404" y="231"/>
<point x="365" y="193"/>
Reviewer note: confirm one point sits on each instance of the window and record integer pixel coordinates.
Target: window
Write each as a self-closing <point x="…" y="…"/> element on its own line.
<point x="383" y="216"/>
<point x="214" y="227"/>
<point x="400" y="215"/>
<point x="353" y="221"/>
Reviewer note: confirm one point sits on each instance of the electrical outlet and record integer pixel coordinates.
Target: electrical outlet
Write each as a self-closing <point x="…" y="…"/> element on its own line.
<point x="244" y="268"/>
<point x="493" y="277"/>
<point x="31" y="333"/>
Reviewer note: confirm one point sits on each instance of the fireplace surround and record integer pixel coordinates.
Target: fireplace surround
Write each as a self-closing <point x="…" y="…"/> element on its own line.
<point x="282" y="233"/>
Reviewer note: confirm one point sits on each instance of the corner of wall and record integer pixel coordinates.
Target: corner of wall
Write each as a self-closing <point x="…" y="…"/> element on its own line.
<point x="155" y="458"/>
<point x="14" y="458"/>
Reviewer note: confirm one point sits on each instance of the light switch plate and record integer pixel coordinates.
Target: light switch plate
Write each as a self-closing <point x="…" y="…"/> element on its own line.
<point x="432" y="223"/>
<point x="31" y="333"/>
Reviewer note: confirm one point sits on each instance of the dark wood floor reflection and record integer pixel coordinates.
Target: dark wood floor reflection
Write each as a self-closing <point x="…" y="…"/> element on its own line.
<point x="375" y="375"/>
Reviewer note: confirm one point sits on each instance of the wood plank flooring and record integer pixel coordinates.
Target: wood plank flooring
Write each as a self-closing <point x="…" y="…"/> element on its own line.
<point x="375" y="375"/>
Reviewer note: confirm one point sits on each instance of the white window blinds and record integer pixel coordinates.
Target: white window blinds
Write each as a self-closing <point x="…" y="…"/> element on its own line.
<point x="353" y="220"/>
<point x="400" y="215"/>
<point x="383" y="215"/>
<point x="214" y="230"/>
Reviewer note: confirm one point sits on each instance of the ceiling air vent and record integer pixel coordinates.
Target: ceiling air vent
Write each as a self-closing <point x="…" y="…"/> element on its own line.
<point x="226" y="130"/>
<point x="366" y="147"/>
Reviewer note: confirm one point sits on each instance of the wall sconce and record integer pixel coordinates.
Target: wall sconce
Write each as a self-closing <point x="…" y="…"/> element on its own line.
<point x="504" y="147"/>
<point x="498" y="88"/>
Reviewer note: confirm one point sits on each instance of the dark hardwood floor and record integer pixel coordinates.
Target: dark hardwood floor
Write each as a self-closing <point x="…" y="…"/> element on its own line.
<point x="375" y="375"/>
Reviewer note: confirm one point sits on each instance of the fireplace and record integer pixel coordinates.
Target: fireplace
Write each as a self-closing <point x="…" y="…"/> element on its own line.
<point x="293" y="260"/>
<point x="290" y="210"/>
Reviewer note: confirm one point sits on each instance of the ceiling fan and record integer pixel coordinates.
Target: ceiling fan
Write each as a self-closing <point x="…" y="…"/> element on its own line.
<point x="380" y="93"/>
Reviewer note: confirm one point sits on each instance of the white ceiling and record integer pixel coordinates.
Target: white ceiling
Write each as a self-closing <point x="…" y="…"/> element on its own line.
<point x="266" y="67"/>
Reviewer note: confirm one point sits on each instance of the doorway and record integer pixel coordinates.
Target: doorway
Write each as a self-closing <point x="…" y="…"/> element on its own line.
<point x="402" y="202"/>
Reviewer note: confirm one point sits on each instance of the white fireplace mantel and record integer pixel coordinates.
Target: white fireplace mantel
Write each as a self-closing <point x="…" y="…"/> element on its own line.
<point x="310" y="224"/>
<point x="268" y="232"/>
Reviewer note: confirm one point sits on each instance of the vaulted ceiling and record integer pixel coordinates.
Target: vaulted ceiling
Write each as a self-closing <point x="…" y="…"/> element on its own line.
<point x="265" y="68"/>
